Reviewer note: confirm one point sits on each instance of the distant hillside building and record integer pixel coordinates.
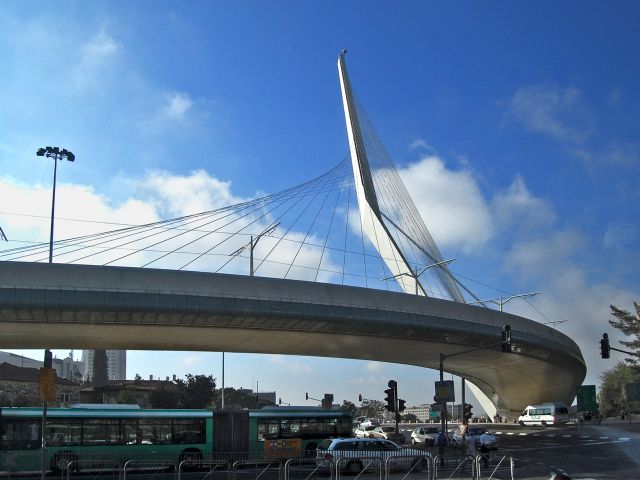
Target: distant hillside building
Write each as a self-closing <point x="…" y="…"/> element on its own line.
<point x="421" y="412"/>
<point x="116" y="364"/>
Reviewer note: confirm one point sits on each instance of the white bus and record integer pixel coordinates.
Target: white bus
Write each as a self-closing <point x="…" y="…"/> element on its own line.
<point x="546" y="414"/>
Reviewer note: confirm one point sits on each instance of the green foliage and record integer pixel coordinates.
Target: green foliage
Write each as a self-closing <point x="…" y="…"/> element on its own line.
<point x="409" y="418"/>
<point x="100" y="368"/>
<point x="197" y="391"/>
<point x="612" y="389"/>
<point x="371" y="409"/>
<point x="165" y="397"/>
<point x="629" y="325"/>
<point x="239" y="399"/>
<point x="127" y="396"/>
<point x="348" y="406"/>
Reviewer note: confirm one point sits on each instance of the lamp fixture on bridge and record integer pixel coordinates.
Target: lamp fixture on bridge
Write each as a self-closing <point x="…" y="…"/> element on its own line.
<point x="501" y="301"/>
<point x="415" y="274"/>
<point x="252" y="245"/>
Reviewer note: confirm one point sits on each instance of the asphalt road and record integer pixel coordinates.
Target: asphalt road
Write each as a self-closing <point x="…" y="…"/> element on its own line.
<point x="607" y="451"/>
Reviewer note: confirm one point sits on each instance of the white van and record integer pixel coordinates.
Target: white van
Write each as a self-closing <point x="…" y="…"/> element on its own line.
<point x="545" y="414"/>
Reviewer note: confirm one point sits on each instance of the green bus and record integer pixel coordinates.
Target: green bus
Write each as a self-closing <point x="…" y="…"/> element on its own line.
<point x="112" y="434"/>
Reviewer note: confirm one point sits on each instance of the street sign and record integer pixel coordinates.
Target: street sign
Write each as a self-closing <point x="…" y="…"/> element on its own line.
<point x="632" y="391"/>
<point x="47" y="384"/>
<point x="586" y="398"/>
<point x="445" y="392"/>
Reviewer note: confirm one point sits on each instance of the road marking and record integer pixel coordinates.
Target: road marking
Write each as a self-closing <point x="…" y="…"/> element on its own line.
<point x="522" y="434"/>
<point x="603" y="438"/>
<point x="624" y="439"/>
<point x="566" y="436"/>
<point x="509" y="433"/>
<point x="551" y="435"/>
<point x="536" y="434"/>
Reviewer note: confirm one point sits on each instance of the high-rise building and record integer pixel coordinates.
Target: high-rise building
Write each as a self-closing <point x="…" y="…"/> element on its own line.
<point x="116" y="364"/>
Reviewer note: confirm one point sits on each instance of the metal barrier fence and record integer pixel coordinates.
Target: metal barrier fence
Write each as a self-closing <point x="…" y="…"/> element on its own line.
<point x="157" y="467"/>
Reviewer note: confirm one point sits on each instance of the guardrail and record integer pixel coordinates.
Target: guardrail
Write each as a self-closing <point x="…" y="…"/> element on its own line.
<point x="395" y="467"/>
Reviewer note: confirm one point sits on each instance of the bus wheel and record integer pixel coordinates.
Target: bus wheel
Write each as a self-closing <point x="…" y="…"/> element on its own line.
<point x="354" y="467"/>
<point x="191" y="455"/>
<point x="60" y="462"/>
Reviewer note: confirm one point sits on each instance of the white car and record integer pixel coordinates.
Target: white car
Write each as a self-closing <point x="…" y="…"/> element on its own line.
<point x="353" y="455"/>
<point x="363" y="431"/>
<point x="425" y="435"/>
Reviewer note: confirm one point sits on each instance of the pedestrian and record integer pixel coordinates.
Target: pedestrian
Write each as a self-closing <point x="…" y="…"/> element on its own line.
<point x="472" y="449"/>
<point x="485" y="445"/>
<point x="440" y="441"/>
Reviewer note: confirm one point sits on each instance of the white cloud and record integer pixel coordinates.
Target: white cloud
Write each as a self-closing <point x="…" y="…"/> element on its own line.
<point x="450" y="203"/>
<point x="178" y="104"/>
<point x="291" y="364"/>
<point x="96" y="61"/>
<point x="517" y="207"/>
<point x="553" y="111"/>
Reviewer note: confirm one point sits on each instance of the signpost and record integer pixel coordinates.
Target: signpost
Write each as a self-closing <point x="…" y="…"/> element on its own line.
<point x="632" y="392"/>
<point x="586" y="398"/>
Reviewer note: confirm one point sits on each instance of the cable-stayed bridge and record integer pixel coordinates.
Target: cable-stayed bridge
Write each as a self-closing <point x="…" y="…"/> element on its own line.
<point x="342" y="266"/>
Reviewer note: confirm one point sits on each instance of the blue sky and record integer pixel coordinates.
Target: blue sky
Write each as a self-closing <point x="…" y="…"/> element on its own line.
<point x="514" y="124"/>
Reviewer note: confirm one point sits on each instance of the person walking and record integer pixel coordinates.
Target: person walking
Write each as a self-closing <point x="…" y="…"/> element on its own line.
<point x="485" y="445"/>
<point x="441" y="441"/>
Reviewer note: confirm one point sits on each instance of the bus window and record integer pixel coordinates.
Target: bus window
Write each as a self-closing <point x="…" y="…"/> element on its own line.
<point x="100" y="431"/>
<point x="64" y="432"/>
<point x="20" y="434"/>
<point x="189" y="431"/>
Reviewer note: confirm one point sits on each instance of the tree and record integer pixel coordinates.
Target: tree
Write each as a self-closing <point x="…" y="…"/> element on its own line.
<point x="612" y="389"/>
<point x="127" y="396"/>
<point x="197" y="391"/>
<point x="371" y="409"/>
<point x="409" y="418"/>
<point x="629" y="325"/>
<point x="165" y="397"/>
<point x="100" y="368"/>
<point x="348" y="406"/>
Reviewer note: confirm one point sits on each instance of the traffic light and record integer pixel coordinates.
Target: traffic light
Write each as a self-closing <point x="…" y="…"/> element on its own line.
<point x="467" y="412"/>
<point x="390" y="399"/>
<point x="604" y="346"/>
<point x="505" y="345"/>
<point x="401" y="406"/>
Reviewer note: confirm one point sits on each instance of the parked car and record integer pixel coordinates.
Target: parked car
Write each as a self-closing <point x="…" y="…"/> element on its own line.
<point x="363" y="431"/>
<point x="475" y="433"/>
<point x="425" y="435"/>
<point x="356" y="454"/>
<point x="388" y="433"/>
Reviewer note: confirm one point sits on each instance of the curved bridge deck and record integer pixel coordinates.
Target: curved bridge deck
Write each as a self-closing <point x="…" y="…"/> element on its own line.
<point x="80" y="306"/>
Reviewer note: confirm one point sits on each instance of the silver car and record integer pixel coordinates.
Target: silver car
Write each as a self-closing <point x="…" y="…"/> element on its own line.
<point x="354" y="455"/>
<point x="424" y="435"/>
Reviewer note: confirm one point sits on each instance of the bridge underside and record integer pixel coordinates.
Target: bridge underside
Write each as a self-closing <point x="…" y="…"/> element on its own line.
<point x="64" y="306"/>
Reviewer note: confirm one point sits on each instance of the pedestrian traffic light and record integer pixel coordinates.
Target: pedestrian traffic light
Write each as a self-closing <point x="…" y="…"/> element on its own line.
<point x="401" y="406"/>
<point x="505" y="345"/>
<point x="467" y="415"/>
<point x="390" y="399"/>
<point x="604" y="346"/>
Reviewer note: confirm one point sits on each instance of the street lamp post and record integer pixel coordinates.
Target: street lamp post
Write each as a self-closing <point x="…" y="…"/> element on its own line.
<point x="416" y="275"/>
<point x="57" y="154"/>
<point x="501" y="301"/>
<point x="252" y="245"/>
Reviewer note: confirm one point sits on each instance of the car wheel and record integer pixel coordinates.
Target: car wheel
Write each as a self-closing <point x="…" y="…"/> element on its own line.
<point x="354" y="467"/>
<point x="544" y="424"/>
<point x="521" y="423"/>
